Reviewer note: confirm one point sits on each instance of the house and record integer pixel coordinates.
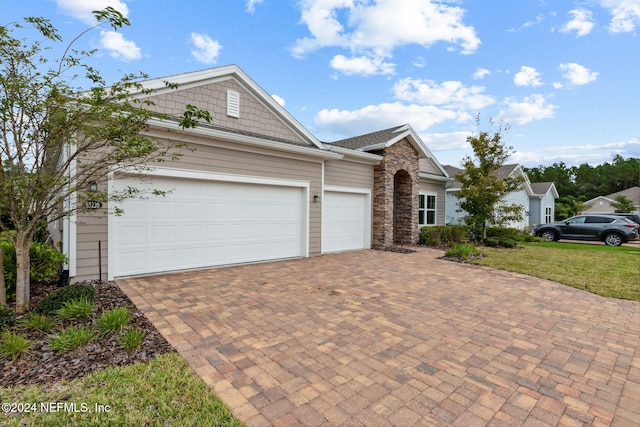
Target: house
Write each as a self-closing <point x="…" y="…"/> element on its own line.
<point x="542" y="203"/>
<point x="602" y="204"/>
<point x="537" y="200"/>
<point x="255" y="185"/>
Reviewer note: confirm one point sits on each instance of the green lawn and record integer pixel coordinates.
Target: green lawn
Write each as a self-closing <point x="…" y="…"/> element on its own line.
<point x="163" y="392"/>
<point x="603" y="270"/>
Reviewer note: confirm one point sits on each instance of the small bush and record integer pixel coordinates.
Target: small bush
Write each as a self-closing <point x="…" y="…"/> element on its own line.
<point x="430" y="236"/>
<point x="45" y="262"/>
<point x="504" y="233"/>
<point x="529" y="239"/>
<point x="71" y="338"/>
<point x="492" y="242"/>
<point x="7" y="317"/>
<point x="508" y="243"/>
<point x="56" y="299"/>
<point x="37" y="322"/>
<point x="443" y="234"/>
<point x="113" y="320"/>
<point x="132" y="339"/>
<point x="464" y="251"/>
<point x="13" y="345"/>
<point x="76" y="309"/>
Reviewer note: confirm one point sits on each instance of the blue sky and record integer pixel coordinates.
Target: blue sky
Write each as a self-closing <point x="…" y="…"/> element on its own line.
<point x="565" y="75"/>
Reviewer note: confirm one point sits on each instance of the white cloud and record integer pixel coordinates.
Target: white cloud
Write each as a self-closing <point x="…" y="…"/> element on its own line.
<point x="576" y="74"/>
<point x="527" y="76"/>
<point x="81" y="9"/>
<point x="452" y="94"/>
<point x="531" y="108"/>
<point x="251" y="5"/>
<point x="578" y="154"/>
<point x="374" y="29"/>
<point x="582" y="22"/>
<point x="375" y="117"/>
<point x="481" y="73"/>
<point x="205" y="50"/>
<point x="362" y="65"/>
<point x="118" y="46"/>
<point x="446" y="141"/>
<point x="278" y="99"/>
<point x="625" y="14"/>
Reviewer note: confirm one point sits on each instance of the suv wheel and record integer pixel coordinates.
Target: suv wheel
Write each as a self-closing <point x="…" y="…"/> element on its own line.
<point x="549" y="235"/>
<point x="612" y="239"/>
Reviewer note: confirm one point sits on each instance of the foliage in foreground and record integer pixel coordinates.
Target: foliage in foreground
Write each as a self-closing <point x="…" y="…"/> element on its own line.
<point x="164" y="391"/>
<point x="603" y="270"/>
<point x="463" y="251"/>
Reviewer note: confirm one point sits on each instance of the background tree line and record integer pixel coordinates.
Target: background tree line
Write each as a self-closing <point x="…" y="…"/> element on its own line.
<point x="577" y="184"/>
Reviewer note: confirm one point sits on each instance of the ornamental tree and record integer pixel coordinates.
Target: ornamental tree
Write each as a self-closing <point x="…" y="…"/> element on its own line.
<point x="482" y="190"/>
<point x="56" y="138"/>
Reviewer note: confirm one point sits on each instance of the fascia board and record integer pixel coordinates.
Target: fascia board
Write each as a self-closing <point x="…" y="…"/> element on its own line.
<point x="244" y="139"/>
<point x="358" y="156"/>
<point x="435" y="177"/>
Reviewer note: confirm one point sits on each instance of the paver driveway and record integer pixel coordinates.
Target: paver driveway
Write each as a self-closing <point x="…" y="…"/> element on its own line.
<point x="378" y="338"/>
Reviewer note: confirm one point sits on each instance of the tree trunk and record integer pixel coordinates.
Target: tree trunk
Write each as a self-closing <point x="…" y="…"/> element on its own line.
<point x="3" y="289"/>
<point x="23" y="283"/>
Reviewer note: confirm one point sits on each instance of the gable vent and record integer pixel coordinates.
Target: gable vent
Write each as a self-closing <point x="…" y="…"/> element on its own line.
<point x="233" y="103"/>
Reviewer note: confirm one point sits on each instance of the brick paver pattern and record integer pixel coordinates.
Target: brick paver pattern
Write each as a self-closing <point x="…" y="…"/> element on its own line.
<point x="377" y="338"/>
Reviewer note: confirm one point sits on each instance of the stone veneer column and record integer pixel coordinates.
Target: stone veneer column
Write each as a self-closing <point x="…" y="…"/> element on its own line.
<point x="400" y="156"/>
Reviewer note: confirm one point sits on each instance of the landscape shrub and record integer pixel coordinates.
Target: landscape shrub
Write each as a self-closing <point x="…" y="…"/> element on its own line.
<point x="504" y="233"/>
<point x="508" y="243"/>
<point x="113" y="320"/>
<point x="57" y="299"/>
<point x="45" y="263"/>
<point x="443" y="234"/>
<point x="76" y="309"/>
<point x="430" y="236"/>
<point x="7" y="317"/>
<point x="463" y="251"/>
<point x="492" y="242"/>
<point x="13" y="345"/>
<point x="71" y="338"/>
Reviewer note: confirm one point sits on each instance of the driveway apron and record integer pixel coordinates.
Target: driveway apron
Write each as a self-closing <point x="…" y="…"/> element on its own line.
<point x="378" y="338"/>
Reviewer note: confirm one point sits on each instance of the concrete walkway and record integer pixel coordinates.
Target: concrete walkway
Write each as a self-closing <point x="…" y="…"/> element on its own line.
<point x="385" y="339"/>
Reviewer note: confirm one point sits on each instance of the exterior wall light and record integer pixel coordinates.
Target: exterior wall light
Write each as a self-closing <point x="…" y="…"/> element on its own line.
<point x="93" y="186"/>
<point x="316" y="198"/>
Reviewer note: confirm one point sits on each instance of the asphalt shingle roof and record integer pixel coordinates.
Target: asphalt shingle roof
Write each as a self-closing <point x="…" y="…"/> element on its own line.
<point x="368" y="139"/>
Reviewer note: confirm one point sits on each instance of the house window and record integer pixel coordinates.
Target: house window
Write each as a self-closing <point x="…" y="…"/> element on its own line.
<point x="547" y="215"/>
<point x="427" y="209"/>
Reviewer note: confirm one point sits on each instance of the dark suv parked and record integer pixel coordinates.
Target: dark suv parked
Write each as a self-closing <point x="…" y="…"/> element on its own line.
<point x="613" y="230"/>
<point x="632" y="216"/>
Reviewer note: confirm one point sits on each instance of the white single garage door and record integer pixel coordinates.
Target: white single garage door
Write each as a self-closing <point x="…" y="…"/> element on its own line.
<point x="345" y="223"/>
<point x="202" y="223"/>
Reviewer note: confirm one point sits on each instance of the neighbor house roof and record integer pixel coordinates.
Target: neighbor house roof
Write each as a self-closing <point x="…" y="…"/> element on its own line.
<point x="542" y="188"/>
<point x="503" y="172"/>
<point x="632" y="194"/>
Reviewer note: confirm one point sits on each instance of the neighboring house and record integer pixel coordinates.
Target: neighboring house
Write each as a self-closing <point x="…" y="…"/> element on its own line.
<point x="602" y="204"/>
<point x="542" y="203"/>
<point x="537" y="200"/>
<point x="258" y="186"/>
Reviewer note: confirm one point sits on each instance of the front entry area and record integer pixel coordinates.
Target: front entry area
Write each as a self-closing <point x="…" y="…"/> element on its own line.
<point x="202" y="223"/>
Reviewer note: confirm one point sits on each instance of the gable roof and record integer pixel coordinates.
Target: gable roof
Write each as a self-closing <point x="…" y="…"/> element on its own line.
<point x="503" y="172"/>
<point x="632" y="194"/>
<point x="542" y="188"/>
<point x="381" y="139"/>
<point x="213" y="75"/>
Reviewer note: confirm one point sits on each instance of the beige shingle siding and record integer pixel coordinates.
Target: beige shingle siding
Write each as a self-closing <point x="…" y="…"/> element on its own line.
<point x="255" y="117"/>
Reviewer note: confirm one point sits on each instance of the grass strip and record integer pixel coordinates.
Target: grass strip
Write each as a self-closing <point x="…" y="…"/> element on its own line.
<point x="164" y="391"/>
<point x="603" y="270"/>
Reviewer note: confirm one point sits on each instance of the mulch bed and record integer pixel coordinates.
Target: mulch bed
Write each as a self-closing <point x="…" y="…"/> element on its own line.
<point x="43" y="365"/>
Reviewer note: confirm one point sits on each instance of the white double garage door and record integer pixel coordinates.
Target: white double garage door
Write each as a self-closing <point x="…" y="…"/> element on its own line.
<point x="202" y="222"/>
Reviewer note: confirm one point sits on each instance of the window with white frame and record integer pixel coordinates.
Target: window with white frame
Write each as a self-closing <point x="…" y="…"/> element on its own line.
<point x="427" y="209"/>
<point x="547" y="215"/>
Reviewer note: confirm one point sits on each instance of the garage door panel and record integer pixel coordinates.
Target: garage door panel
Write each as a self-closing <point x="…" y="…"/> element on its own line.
<point x="345" y="221"/>
<point x="206" y="223"/>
